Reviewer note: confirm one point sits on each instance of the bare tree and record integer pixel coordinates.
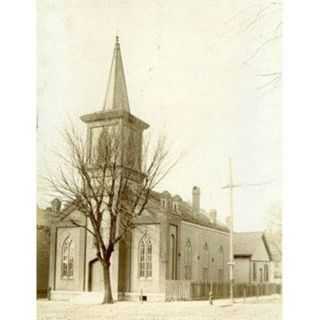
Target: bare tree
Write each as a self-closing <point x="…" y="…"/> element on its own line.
<point x="274" y="230"/>
<point x="110" y="188"/>
<point x="262" y="22"/>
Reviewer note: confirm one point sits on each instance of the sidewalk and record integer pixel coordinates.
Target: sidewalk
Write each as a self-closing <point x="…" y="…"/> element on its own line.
<point x="263" y="308"/>
<point x="227" y="302"/>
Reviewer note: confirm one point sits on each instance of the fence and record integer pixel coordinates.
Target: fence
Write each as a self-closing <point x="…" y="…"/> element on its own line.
<point x="178" y="290"/>
<point x="190" y="290"/>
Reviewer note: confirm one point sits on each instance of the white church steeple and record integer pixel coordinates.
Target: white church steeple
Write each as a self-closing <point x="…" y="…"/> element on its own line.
<point x="116" y="97"/>
<point x="115" y="118"/>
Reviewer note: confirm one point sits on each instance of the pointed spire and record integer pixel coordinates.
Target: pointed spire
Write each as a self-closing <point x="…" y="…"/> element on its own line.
<point x="116" y="95"/>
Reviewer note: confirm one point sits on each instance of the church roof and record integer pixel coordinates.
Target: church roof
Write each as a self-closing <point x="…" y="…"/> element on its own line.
<point x="200" y="218"/>
<point x="154" y="207"/>
<point x="185" y="209"/>
<point x="116" y="97"/>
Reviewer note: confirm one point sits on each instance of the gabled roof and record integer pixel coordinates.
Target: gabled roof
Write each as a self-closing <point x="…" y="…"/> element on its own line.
<point x="200" y="218"/>
<point x="116" y="95"/>
<point x="154" y="207"/>
<point x="246" y="243"/>
<point x="273" y="247"/>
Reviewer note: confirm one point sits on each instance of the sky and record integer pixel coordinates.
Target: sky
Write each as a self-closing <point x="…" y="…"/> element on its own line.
<point x="196" y="73"/>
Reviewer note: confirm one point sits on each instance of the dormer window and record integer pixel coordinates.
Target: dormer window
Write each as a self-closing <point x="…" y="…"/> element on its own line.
<point x="176" y="203"/>
<point x="165" y="199"/>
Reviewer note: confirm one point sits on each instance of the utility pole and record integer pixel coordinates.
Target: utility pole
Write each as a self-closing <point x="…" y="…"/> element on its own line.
<point x="232" y="186"/>
<point x="231" y="263"/>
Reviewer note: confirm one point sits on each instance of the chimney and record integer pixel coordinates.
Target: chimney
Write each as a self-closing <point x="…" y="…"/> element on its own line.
<point x="56" y="205"/>
<point x="213" y="216"/>
<point x="195" y="200"/>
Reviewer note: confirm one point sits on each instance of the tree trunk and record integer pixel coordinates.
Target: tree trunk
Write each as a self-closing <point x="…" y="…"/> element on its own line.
<point x="107" y="284"/>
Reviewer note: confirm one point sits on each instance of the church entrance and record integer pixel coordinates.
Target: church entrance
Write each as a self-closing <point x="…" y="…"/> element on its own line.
<point x="96" y="276"/>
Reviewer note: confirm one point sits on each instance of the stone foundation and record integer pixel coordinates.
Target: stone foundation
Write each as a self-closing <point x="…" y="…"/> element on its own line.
<point x="82" y="297"/>
<point x="146" y="297"/>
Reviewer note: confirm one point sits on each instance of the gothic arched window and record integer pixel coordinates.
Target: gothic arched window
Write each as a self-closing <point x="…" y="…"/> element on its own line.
<point x="220" y="264"/>
<point x="266" y="273"/>
<point x="173" y="255"/>
<point x="188" y="260"/>
<point x="67" y="267"/>
<point x="145" y="257"/>
<point x="205" y="263"/>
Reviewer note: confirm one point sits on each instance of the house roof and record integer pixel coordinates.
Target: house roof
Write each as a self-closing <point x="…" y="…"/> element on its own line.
<point x="246" y="243"/>
<point x="274" y="248"/>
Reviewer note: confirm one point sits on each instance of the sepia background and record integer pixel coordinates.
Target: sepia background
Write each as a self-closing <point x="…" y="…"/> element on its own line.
<point x="206" y="74"/>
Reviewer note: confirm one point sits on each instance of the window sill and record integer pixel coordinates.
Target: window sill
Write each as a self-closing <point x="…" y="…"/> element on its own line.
<point x="145" y="279"/>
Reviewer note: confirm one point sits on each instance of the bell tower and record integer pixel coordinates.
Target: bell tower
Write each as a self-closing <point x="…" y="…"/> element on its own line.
<point x="115" y="119"/>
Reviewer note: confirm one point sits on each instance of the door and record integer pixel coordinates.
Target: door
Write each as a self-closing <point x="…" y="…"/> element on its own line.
<point x="96" y="276"/>
<point x="261" y="275"/>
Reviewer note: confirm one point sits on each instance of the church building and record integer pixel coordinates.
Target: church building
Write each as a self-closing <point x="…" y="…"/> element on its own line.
<point x="174" y="240"/>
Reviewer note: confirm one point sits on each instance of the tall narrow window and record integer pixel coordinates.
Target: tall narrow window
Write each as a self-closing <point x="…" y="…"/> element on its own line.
<point x="173" y="254"/>
<point x="220" y="264"/>
<point x="266" y="273"/>
<point x="205" y="263"/>
<point x="254" y="272"/>
<point x="145" y="257"/>
<point x="261" y="274"/>
<point x="67" y="267"/>
<point x="188" y="261"/>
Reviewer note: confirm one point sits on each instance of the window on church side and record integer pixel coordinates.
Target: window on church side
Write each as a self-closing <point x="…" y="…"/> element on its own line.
<point x="67" y="267"/>
<point x="205" y="263"/>
<point x="188" y="261"/>
<point x="173" y="255"/>
<point x="220" y="264"/>
<point x="266" y="273"/>
<point x="145" y="257"/>
<point x="220" y="275"/>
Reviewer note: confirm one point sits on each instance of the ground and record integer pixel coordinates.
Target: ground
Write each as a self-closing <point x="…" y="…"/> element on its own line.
<point x="264" y="308"/>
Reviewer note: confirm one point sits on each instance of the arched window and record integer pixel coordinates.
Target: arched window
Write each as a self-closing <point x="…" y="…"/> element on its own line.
<point x="173" y="255"/>
<point x="220" y="264"/>
<point x="67" y="267"/>
<point x="266" y="273"/>
<point x="254" y="273"/>
<point x="145" y="257"/>
<point x="188" y="261"/>
<point x="205" y="263"/>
